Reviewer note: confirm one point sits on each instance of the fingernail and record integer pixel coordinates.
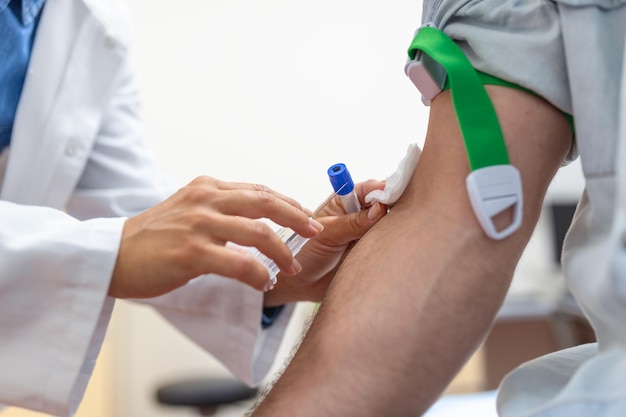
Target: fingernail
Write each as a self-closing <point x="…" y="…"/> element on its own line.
<point x="316" y="225"/>
<point x="269" y="286"/>
<point x="297" y="267"/>
<point x="374" y="212"/>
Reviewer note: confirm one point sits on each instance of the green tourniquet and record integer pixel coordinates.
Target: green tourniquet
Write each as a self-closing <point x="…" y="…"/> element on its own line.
<point x="490" y="79"/>
<point x="477" y="118"/>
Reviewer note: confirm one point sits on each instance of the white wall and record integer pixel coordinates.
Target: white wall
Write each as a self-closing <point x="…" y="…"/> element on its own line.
<point x="268" y="91"/>
<point x="275" y="91"/>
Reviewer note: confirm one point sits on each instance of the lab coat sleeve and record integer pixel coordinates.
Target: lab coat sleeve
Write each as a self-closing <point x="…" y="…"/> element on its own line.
<point x="54" y="276"/>
<point x="223" y="316"/>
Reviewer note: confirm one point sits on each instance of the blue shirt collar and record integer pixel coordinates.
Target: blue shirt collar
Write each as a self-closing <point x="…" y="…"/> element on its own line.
<point x="30" y="9"/>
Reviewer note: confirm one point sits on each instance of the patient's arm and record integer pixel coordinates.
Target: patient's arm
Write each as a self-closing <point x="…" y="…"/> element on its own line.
<point x="418" y="293"/>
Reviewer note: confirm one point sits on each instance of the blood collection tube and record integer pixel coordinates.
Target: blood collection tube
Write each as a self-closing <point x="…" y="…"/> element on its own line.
<point x="344" y="187"/>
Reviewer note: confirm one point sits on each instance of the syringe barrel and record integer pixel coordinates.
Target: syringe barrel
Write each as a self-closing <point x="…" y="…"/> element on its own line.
<point x="294" y="242"/>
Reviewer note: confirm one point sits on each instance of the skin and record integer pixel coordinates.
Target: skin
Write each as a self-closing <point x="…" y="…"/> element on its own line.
<point x="186" y="236"/>
<point x="419" y="292"/>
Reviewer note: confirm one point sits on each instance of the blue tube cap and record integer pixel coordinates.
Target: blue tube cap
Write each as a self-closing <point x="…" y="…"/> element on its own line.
<point x="340" y="179"/>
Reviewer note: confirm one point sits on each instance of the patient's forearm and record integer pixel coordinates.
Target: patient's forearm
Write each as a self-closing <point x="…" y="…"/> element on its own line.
<point x="390" y="335"/>
<point x="418" y="293"/>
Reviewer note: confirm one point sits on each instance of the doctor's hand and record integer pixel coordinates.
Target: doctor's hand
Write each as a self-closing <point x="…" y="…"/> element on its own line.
<point x="185" y="236"/>
<point x="321" y="256"/>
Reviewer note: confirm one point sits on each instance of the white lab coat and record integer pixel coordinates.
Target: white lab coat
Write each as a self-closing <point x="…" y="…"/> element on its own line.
<point x="78" y="165"/>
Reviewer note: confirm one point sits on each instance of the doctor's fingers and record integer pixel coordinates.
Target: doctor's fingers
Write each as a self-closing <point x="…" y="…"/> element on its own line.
<point x="249" y="200"/>
<point x="261" y="204"/>
<point x="236" y="263"/>
<point x="224" y="185"/>
<point x="262" y="192"/>
<point x="341" y="230"/>
<point x="247" y="232"/>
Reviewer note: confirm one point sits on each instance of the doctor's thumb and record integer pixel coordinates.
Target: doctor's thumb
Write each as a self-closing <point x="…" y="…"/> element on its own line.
<point x="376" y="212"/>
<point x="363" y="220"/>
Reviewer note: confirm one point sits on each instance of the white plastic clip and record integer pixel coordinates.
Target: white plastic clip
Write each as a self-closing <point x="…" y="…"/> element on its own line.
<point x="426" y="74"/>
<point x="492" y="190"/>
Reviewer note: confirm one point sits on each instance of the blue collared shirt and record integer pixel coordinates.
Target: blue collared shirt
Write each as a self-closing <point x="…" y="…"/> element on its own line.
<point x="18" y="23"/>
